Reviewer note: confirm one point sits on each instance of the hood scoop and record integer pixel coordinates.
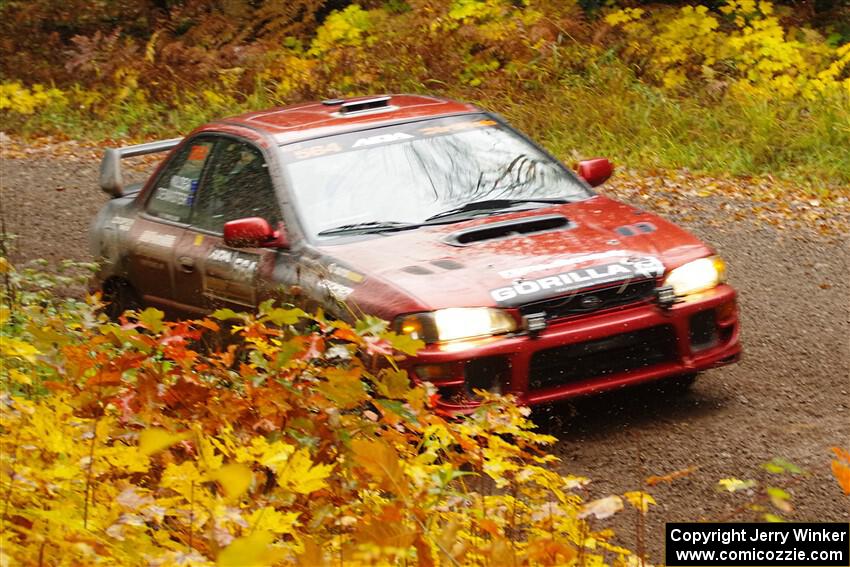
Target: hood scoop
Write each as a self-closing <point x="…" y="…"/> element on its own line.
<point x="504" y="229"/>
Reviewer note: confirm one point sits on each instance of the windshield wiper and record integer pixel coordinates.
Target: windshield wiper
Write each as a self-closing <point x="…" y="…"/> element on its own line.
<point x="368" y="226"/>
<point x="492" y="205"/>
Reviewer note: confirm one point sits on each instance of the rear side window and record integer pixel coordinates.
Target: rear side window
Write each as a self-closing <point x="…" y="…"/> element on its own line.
<point x="238" y="185"/>
<point x="176" y="187"/>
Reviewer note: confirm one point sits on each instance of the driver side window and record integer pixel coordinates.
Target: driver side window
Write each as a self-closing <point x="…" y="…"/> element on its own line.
<point x="177" y="185"/>
<point x="238" y="186"/>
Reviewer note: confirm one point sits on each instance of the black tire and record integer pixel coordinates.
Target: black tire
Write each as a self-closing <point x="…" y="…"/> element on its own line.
<point x="119" y="296"/>
<point x="679" y="384"/>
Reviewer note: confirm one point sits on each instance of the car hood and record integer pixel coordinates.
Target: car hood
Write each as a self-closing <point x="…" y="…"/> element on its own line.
<point x="602" y="241"/>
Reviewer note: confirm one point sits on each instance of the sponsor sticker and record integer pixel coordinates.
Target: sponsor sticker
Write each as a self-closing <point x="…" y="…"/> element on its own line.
<point x="157" y="239"/>
<point x="525" y="291"/>
<point x="123" y="224"/>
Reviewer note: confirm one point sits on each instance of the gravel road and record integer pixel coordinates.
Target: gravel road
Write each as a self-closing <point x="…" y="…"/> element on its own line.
<point x="789" y="397"/>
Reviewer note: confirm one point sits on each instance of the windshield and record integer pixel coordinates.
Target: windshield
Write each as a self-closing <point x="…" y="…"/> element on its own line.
<point x="405" y="175"/>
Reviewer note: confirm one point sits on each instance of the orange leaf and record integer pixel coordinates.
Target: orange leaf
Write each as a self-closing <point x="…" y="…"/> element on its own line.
<point x="653" y="480"/>
<point x="105" y="377"/>
<point x="381" y="461"/>
<point x="348" y="335"/>
<point x="841" y="454"/>
<point x="842" y="475"/>
<point x="489" y="526"/>
<point x="209" y="324"/>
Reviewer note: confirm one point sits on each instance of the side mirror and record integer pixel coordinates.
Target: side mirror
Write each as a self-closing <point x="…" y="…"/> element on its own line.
<point x="595" y="171"/>
<point x="253" y="232"/>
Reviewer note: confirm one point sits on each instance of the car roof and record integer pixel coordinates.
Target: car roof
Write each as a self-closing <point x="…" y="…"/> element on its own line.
<point x="317" y="119"/>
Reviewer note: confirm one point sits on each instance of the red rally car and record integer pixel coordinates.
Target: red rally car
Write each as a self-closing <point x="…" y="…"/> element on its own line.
<point x="436" y="216"/>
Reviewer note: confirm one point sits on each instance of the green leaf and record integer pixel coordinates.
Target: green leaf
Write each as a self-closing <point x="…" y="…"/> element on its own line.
<point x="281" y="316"/>
<point x="224" y="314"/>
<point x="404" y="343"/>
<point x="392" y="383"/>
<point x="151" y="318"/>
<point x="370" y="325"/>
<point x="778" y="465"/>
<point x="343" y="387"/>
<point x="780" y="499"/>
<point x="778" y="493"/>
<point x="396" y="407"/>
<point x="773" y="518"/>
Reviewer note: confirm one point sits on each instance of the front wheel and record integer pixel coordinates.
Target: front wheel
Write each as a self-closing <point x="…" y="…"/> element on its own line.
<point x="679" y="384"/>
<point x="119" y="296"/>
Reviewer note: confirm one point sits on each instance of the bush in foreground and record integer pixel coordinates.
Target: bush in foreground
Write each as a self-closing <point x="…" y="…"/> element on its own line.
<point x="274" y="438"/>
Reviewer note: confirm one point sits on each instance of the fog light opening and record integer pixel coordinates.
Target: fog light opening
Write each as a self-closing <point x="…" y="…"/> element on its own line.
<point x="489" y="374"/>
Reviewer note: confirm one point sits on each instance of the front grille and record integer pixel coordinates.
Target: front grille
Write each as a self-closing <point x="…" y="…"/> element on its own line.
<point x="602" y="357"/>
<point x="592" y="300"/>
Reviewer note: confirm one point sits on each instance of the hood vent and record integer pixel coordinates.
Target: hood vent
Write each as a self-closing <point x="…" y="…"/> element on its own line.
<point x="504" y="229"/>
<point x="447" y="264"/>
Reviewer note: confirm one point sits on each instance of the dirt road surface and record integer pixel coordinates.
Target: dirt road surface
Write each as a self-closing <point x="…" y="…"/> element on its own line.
<point x="789" y="397"/>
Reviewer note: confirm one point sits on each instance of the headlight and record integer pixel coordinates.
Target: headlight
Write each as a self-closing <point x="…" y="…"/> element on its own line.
<point x="697" y="276"/>
<point x="456" y="323"/>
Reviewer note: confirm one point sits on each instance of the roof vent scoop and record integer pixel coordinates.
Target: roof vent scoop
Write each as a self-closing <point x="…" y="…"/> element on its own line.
<point x="363" y="105"/>
<point x="515" y="227"/>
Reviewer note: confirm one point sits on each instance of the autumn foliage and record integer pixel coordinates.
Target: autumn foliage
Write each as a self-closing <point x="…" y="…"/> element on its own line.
<point x="707" y="85"/>
<point x="274" y="438"/>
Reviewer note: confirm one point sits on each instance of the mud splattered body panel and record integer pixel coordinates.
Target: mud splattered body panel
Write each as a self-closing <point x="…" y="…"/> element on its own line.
<point x="577" y="282"/>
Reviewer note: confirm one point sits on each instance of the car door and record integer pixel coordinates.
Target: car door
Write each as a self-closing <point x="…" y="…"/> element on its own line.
<point x="237" y="185"/>
<point x="160" y="227"/>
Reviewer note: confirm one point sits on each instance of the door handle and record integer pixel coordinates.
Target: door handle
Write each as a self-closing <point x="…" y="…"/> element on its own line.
<point x="186" y="263"/>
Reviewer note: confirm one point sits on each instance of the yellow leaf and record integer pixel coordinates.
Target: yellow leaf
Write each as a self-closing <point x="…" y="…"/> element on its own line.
<point x="275" y="455"/>
<point x="156" y="439"/>
<point x="640" y="500"/>
<point x="235" y="478"/>
<point x="268" y="519"/>
<point x="301" y="476"/>
<point x="251" y="550"/>
<point x="734" y="484"/>
<point x="11" y="346"/>
<point x="19" y="377"/>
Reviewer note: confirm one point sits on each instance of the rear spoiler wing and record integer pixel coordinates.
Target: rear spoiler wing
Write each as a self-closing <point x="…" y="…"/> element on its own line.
<point x="110" y="166"/>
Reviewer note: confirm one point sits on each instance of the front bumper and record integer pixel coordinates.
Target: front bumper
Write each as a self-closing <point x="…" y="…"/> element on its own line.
<point x="587" y="354"/>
